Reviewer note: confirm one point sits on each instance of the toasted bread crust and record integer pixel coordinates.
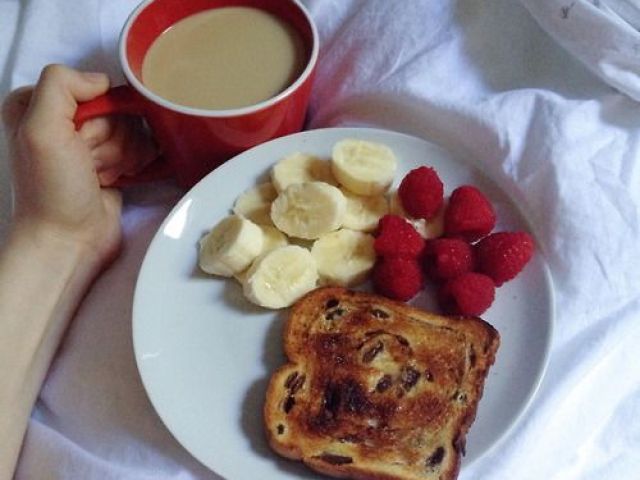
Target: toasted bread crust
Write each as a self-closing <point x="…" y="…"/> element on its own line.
<point x="377" y="389"/>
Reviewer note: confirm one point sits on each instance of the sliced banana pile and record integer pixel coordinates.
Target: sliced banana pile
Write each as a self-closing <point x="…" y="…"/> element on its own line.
<point x="310" y="225"/>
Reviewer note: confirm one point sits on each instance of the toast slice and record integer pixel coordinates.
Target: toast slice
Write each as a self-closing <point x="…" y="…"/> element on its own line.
<point x="377" y="389"/>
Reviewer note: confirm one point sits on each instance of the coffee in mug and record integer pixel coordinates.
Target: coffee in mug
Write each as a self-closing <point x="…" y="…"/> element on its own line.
<point x="224" y="58"/>
<point x="270" y="49"/>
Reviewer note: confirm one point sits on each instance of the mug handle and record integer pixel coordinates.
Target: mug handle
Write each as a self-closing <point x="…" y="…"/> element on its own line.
<point x="123" y="100"/>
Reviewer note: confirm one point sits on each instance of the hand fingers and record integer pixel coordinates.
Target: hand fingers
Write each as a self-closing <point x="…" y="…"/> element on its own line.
<point x="98" y="130"/>
<point x="58" y="92"/>
<point x="137" y="157"/>
<point x="108" y="177"/>
<point x="14" y="108"/>
<point x="112" y="150"/>
<point x="127" y="151"/>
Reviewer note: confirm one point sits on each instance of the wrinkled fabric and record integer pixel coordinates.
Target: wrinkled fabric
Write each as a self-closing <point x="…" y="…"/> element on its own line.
<point x="600" y="33"/>
<point x="539" y="95"/>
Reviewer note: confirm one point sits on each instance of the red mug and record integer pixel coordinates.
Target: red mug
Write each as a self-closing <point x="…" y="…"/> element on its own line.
<point x="194" y="141"/>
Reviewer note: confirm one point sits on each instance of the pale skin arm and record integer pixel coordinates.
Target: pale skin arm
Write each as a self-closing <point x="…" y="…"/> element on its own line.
<point x="65" y="229"/>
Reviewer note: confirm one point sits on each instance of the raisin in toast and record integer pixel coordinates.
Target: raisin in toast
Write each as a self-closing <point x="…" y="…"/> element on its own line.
<point x="377" y="389"/>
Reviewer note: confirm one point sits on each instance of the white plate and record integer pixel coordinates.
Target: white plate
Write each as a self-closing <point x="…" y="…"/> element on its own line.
<point x="205" y="354"/>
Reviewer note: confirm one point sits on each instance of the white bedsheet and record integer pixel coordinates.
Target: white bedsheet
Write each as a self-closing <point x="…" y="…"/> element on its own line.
<point x="538" y="93"/>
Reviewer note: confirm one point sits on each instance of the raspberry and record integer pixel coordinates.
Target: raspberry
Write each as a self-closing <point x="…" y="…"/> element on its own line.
<point x="447" y="258"/>
<point x="397" y="237"/>
<point x="469" y="214"/>
<point x="503" y="255"/>
<point x="421" y="193"/>
<point x="468" y="294"/>
<point x="399" y="278"/>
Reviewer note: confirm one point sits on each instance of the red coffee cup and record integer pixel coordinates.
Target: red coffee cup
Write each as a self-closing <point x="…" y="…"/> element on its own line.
<point x="194" y="141"/>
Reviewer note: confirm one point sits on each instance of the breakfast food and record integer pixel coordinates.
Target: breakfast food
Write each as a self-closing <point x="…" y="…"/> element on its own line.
<point x="469" y="214"/>
<point x="257" y="56"/>
<point x="399" y="278"/>
<point x="303" y="207"/>
<point x="230" y="246"/>
<point x="299" y="168"/>
<point x="344" y="257"/>
<point x="364" y="168"/>
<point x="255" y="203"/>
<point x="278" y="278"/>
<point x="433" y="228"/>
<point x="448" y="258"/>
<point x="470" y="293"/>
<point x="502" y="255"/>
<point x="397" y="237"/>
<point x="363" y="212"/>
<point x="422" y="192"/>
<point x="308" y="210"/>
<point x="272" y="238"/>
<point x="340" y="210"/>
<point x="375" y="388"/>
<point x="465" y="261"/>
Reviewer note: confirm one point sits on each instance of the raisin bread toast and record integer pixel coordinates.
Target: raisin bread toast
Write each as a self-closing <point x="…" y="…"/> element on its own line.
<point x="377" y="389"/>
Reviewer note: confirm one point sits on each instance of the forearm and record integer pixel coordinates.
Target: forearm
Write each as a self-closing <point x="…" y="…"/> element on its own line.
<point x="42" y="280"/>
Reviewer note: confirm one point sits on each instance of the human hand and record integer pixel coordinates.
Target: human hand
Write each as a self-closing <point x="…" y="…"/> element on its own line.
<point x="60" y="173"/>
<point x="66" y="228"/>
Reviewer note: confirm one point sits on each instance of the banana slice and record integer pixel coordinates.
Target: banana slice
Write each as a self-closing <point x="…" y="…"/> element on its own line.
<point x="298" y="168"/>
<point x="308" y="210"/>
<point x="280" y="277"/>
<point x="365" y="168"/>
<point x="255" y="203"/>
<point x="344" y="257"/>
<point x="363" y="212"/>
<point x="427" y="229"/>
<point x="272" y="238"/>
<point x="230" y="246"/>
<point x="241" y="277"/>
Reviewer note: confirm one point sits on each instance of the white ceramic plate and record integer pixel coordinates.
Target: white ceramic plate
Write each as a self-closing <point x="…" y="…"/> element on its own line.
<point x="205" y="354"/>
